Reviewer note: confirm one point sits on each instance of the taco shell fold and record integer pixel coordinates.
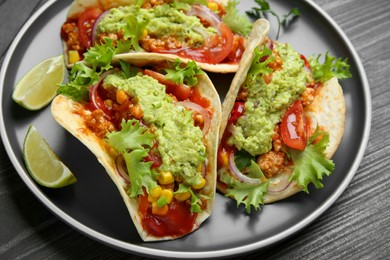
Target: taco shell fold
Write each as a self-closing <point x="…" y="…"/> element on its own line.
<point x="67" y="113"/>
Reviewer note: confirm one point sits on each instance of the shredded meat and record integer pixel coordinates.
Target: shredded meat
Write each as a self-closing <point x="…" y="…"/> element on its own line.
<point x="97" y="123"/>
<point x="271" y="163"/>
<point x="153" y="3"/>
<point x="70" y="34"/>
<point x="274" y="161"/>
<point x="307" y="96"/>
<point x="164" y="43"/>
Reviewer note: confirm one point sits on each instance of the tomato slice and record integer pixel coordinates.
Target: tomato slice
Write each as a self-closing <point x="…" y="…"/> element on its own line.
<point x="224" y="46"/>
<point x="215" y="51"/>
<point x="237" y="111"/>
<point x="294" y="127"/>
<point x="97" y="102"/>
<point x="180" y="91"/>
<point x="237" y="49"/>
<point x="85" y="25"/>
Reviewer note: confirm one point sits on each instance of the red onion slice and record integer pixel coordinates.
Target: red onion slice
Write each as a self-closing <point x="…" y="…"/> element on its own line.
<point x="120" y="166"/>
<point x="205" y="14"/>
<point x="270" y="44"/>
<point x="238" y="174"/>
<point x="95" y="99"/>
<point x="199" y="109"/>
<point x="95" y="26"/>
<point x="279" y="183"/>
<point x="205" y="35"/>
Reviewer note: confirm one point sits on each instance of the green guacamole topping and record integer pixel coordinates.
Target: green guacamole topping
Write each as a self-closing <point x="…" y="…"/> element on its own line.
<point x="180" y="143"/>
<point x="267" y="103"/>
<point x="162" y="20"/>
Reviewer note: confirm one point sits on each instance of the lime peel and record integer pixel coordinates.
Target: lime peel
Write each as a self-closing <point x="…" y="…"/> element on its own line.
<point x="43" y="164"/>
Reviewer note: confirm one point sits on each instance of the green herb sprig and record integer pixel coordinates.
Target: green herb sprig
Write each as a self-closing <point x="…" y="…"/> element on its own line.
<point x="264" y="8"/>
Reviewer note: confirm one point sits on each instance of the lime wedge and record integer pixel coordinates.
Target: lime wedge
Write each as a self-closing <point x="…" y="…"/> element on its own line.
<point x="43" y="164"/>
<point x="39" y="86"/>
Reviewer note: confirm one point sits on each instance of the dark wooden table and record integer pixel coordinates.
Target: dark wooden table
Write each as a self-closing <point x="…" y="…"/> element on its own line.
<point x="356" y="226"/>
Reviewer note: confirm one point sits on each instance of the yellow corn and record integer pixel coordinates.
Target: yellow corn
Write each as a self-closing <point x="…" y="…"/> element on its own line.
<point x="182" y="196"/>
<point x="159" y="211"/>
<point x="108" y="102"/>
<point x="73" y="56"/>
<point x="156" y="191"/>
<point x="137" y="112"/>
<point x="213" y="6"/>
<point x="154" y="194"/>
<point x="166" y="178"/>
<point x="121" y="96"/>
<point x="200" y="184"/>
<point x="152" y="199"/>
<point x="167" y="194"/>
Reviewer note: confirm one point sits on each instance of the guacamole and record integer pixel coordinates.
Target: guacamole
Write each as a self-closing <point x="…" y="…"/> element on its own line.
<point x="158" y="22"/>
<point x="267" y="103"/>
<point x="180" y="143"/>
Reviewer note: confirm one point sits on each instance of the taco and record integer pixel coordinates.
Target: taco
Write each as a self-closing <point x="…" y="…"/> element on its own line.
<point x="283" y="119"/>
<point x="155" y="138"/>
<point x="212" y="33"/>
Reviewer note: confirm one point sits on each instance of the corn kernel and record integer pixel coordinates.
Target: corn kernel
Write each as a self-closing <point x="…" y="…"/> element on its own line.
<point x="213" y="6"/>
<point x="182" y="196"/>
<point x="137" y="112"/>
<point x="200" y="184"/>
<point x="152" y="198"/>
<point x="159" y="210"/>
<point x="156" y="191"/>
<point x="108" y="102"/>
<point x="167" y="194"/>
<point x="121" y="96"/>
<point x="166" y="178"/>
<point x="73" y="56"/>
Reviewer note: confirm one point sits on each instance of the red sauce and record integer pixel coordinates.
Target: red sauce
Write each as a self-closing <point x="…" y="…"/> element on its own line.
<point x="197" y="98"/>
<point x="177" y="222"/>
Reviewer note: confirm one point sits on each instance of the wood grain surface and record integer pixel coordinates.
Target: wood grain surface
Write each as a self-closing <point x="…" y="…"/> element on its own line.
<point x="356" y="226"/>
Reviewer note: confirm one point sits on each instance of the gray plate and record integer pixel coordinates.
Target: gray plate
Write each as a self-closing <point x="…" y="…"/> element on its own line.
<point x="94" y="207"/>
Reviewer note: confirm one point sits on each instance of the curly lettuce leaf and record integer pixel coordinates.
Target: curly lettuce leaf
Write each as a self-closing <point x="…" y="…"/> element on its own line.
<point x="260" y="62"/>
<point x="134" y="142"/>
<point x="195" y="199"/>
<point x="247" y="194"/>
<point x="100" y="56"/>
<point x="311" y="165"/>
<point x="331" y="67"/>
<point x="133" y="30"/>
<point x="80" y="78"/>
<point x="243" y="159"/>
<point x="128" y="70"/>
<point x="85" y="74"/>
<point x="237" y="23"/>
<point x="140" y="174"/>
<point x="183" y="74"/>
<point x="123" y="46"/>
<point x="132" y="136"/>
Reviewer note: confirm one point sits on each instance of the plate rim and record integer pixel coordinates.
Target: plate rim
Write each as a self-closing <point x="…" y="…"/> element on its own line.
<point x="142" y="250"/>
